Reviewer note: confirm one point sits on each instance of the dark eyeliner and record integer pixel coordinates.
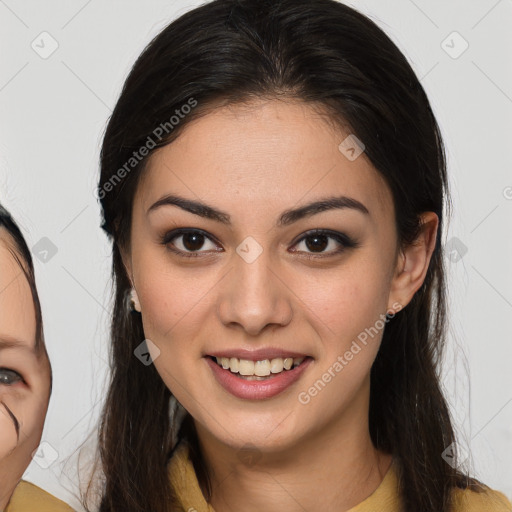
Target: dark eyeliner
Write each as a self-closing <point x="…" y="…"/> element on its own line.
<point x="165" y="240"/>
<point x="345" y="242"/>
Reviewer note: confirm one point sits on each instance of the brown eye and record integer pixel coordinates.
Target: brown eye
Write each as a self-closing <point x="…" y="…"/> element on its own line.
<point x="192" y="240"/>
<point x="316" y="242"/>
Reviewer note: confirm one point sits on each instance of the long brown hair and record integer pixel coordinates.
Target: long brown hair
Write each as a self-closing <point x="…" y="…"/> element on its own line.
<point x="325" y="54"/>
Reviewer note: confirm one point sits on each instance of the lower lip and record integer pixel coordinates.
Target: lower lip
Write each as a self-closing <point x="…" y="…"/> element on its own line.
<point x="257" y="389"/>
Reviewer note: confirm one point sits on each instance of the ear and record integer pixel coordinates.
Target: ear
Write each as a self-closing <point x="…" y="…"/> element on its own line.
<point x="127" y="262"/>
<point x="135" y="300"/>
<point x="413" y="262"/>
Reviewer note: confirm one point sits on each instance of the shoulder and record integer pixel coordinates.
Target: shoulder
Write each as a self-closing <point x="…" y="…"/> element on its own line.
<point x="488" y="499"/>
<point x="28" y="497"/>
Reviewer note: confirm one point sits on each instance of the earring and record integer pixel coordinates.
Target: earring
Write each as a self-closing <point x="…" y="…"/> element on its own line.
<point x="134" y="300"/>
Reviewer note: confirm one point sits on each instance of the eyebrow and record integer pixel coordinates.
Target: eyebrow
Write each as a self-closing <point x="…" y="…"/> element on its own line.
<point x="285" y="219"/>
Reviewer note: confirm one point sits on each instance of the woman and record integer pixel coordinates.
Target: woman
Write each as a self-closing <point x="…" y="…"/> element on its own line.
<point x="25" y="374"/>
<point x="274" y="184"/>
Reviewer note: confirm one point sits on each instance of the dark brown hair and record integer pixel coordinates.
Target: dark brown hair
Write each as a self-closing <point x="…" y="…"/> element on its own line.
<point x="330" y="56"/>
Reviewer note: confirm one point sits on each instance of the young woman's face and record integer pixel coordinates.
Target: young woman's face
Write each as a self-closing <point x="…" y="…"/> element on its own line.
<point x="254" y="283"/>
<point x="24" y="374"/>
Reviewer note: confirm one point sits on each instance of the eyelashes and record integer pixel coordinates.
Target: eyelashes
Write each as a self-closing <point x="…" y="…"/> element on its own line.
<point x="344" y="242"/>
<point x="182" y="232"/>
<point x="9" y="377"/>
<point x="197" y="236"/>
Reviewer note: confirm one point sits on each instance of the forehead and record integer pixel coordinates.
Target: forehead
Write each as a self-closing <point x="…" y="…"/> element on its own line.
<point x="263" y="155"/>
<point x="17" y="311"/>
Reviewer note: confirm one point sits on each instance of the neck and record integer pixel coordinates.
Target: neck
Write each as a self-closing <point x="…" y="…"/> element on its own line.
<point x="5" y="496"/>
<point x="334" y="469"/>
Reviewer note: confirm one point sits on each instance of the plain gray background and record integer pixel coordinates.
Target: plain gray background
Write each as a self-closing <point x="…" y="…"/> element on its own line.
<point x="53" y="112"/>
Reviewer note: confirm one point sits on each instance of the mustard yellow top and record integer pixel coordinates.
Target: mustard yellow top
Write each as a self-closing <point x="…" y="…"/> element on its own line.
<point x="384" y="499"/>
<point x="28" y="497"/>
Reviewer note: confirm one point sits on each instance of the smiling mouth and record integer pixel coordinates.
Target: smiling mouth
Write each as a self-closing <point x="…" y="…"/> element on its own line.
<point x="258" y="370"/>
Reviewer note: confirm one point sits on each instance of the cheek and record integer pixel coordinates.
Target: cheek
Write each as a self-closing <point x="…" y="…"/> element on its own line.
<point x="172" y="299"/>
<point x="345" y="302"/>
<point x="29" y="408"/>
<point x="8" y="437"/>
<point x="16" y="454"/>
<point x="173" y="310"/>
<point x="30" y="413"/>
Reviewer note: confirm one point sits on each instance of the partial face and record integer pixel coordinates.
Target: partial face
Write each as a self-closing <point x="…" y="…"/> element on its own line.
<point x="24" y="375"/>
<point x="253" y="288"/>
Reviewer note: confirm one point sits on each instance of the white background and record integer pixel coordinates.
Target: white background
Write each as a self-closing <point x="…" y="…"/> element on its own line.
<point x="53" y="113"/>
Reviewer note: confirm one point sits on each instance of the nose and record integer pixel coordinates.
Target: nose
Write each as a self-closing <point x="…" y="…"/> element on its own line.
<point x="254" y="296"/>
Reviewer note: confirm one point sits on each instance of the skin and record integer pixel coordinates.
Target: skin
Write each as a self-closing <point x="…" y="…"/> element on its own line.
<point x="26" y="396"/>
<point x="253" y="162"/>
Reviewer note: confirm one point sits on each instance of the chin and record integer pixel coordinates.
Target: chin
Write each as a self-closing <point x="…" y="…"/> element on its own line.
<point x="271" y="432"/>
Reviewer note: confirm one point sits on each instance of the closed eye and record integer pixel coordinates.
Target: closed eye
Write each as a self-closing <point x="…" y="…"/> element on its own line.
<point x="191" y="240"/>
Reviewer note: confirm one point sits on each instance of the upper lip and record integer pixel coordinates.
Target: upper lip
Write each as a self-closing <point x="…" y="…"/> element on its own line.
<point x="256" y="354"/>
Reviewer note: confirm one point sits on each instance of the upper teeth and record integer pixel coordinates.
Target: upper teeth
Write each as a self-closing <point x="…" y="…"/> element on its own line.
<point x="258" y="368"/>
